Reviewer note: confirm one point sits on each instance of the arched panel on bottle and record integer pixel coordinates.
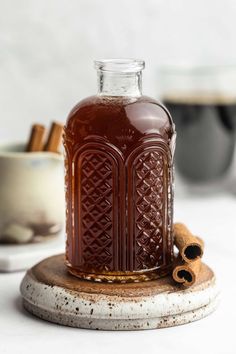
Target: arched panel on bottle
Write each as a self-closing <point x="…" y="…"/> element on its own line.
<point x="68" y="199"/>
<point x="97" y="207"/>
<point x="148" y="230"/>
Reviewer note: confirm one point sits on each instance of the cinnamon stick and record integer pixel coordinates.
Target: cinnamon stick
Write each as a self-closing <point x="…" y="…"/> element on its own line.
<point x="36" y="138"/>
<point x="187" y="273"/>
<point x="190" y="247"/>
<point x="54" y="138"/>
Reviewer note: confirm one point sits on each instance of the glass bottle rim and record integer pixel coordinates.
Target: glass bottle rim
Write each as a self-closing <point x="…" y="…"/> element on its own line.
<point x="120" y="65"/>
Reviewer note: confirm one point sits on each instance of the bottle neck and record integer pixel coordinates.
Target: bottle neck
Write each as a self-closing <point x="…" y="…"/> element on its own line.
<point x="119" y="84"/>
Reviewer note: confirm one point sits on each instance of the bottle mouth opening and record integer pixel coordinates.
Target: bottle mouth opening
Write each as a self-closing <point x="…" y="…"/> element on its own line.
<point x="119" y="65"/>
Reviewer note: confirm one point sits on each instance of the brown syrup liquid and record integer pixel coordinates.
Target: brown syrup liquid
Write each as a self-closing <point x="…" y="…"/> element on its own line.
<point x="119" y="189"/>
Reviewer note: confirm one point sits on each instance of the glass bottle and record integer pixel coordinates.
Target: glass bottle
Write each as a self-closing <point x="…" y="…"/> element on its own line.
<point x="119" y="149"/>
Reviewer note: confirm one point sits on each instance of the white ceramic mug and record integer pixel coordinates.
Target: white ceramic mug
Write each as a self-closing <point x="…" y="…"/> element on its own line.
<point x="31" y="194"/>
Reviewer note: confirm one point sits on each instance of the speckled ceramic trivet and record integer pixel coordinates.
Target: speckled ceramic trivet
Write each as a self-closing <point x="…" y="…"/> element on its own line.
<point x="52" y="294"/>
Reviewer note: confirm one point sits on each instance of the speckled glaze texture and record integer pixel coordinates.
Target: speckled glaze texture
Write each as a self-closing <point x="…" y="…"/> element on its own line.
<point x="51" y="293"/>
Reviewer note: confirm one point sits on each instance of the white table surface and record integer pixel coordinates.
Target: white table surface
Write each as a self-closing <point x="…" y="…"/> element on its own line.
<point x="213" y="218"/>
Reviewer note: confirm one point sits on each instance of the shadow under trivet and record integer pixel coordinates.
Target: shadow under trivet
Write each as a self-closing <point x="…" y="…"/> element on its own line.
<point x="52" y="294"/>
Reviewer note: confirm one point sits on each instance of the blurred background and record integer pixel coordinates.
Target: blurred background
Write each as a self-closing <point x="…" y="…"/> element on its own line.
<point x="46" y="66"/>
<point x="47" y="48"/>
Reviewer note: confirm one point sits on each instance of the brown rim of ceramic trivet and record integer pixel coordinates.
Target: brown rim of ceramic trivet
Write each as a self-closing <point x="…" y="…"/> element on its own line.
<point x="52" y="294"/>
<point x="190" y="247"/>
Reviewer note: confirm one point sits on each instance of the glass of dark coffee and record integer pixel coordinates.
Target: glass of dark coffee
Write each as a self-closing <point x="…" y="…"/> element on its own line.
<point x="202" y="102"/>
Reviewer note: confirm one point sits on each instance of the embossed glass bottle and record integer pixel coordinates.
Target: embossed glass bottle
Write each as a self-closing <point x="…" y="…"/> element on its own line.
<point x="119" y="149"/>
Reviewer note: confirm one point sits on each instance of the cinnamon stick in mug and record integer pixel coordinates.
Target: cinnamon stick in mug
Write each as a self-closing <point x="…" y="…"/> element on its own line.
<point x="54" y="138"/>
<point x="190" y="247"/>
<point x="187" y="273"/>
<point x="36" y="139"/>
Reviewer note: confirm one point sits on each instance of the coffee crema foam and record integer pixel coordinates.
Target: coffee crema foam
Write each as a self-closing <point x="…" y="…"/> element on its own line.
<point x="199" y="99"/>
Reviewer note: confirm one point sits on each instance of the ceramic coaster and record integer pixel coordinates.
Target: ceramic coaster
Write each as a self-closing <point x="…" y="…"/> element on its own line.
<point x="21" y="257"/>
<point x="52" y="294"/>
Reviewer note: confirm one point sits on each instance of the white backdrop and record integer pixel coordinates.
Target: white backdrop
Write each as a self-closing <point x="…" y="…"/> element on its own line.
<point x="47" y="48"/>
<point x="46" y="53"/>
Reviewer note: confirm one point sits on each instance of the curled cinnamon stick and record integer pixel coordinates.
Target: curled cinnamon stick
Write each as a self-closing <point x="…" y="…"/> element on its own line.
<point x="190" y="247"/>
<point x="187" y="273"/>
<point x="54" y="138"/>
<point x="36" y="139"/>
